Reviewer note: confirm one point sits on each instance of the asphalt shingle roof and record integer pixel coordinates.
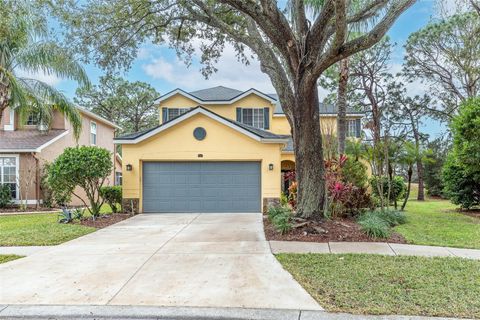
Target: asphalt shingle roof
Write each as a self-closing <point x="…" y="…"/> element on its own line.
<point x="26" y="139"/>
<point x="218" y="93"/>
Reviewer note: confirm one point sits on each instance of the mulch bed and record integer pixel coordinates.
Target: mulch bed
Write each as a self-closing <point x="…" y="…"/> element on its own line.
<point x="104" y="221"/>
<point x="340" y="229"/>
<point x="472" y="213"/>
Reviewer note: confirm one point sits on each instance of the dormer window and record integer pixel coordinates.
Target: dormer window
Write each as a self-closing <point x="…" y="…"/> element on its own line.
<point x="255" y="117"/>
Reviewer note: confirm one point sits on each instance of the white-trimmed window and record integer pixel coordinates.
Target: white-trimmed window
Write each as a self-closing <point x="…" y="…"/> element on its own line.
<point x="9" y="173"/>
<point x="172" y="113"/>
<point x="253" y="117"/>
<point x="118" y="178"/>
<point x="353" y="128"/>
<point x="93" y="133"/>
<point x="32" y="119"/>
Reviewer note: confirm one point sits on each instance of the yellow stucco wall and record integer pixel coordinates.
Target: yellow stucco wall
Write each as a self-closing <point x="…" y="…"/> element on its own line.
<point x="222" y="143"/>
<point x="224" y="110"/>
<point x="278" y="123"/>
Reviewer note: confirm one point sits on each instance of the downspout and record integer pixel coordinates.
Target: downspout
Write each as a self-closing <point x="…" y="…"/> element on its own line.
<point x="37" y="180"/>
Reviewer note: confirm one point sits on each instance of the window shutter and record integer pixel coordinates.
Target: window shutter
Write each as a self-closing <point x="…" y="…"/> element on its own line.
<point x="266" y="118"/>
<point x="358" y="126"/>
<point x="164" y="115"/>
<point x="239" y="114"/>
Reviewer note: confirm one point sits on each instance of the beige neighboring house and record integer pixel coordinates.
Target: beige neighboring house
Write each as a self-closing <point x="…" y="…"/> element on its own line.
<point x="25" y="149"/>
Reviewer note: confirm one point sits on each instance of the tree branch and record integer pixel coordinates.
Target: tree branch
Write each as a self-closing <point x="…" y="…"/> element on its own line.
<point x="363" y="42"/>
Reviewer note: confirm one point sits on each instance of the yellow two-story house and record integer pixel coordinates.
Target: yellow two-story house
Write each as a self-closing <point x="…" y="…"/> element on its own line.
<point x="214" y="150"/>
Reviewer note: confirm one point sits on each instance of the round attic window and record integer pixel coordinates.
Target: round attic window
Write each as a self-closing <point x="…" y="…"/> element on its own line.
<point x="199" y="133"/>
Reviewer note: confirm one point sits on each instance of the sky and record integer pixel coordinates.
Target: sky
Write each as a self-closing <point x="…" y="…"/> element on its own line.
<point x="159" y="66"/>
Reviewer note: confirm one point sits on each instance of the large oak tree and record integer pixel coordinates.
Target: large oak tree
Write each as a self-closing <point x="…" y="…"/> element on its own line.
<point x="294" y="45"/>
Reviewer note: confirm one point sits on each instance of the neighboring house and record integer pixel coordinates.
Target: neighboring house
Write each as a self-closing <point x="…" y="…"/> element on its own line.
<point x="215" y="150"/>
<point x="25" y="149"/>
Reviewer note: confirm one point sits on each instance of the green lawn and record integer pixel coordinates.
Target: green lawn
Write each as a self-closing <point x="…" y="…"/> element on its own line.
<point x="375" y="284"/>
<point x="37" y="230"/>
<point x="434" y="222"/>
<point x="8" y="257"/>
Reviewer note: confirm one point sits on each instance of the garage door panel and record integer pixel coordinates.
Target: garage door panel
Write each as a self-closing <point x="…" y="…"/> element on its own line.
<point x="201" y="187"/>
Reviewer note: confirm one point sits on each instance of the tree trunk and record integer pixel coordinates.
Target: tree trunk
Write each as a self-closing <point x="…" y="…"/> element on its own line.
<point x="410" y="172"/>
<point x="4" y="95"/>
<point x="342" y="105"/>
<point x="309" y="165"/>
<point x="421" y="187"/>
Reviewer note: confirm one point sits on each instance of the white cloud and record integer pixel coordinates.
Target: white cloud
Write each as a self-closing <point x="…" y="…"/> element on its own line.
<point x="231" y="73"/>
<point x="144" y="53"/>
<point x="49" y="79"/>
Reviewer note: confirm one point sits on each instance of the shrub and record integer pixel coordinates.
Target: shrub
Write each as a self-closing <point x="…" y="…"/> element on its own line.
<point x="344" y="197"/>
<point x="460" y="187"/>
<point x="283" y="222"/>
<point x="433" y="163"/>
<point x="283" y="199"/>
<point x="397" y="189"/>
<point x="5" y="195"/>
<point x="461" y="172"/>
<point x="374" y="226"/>
<point x="53" y="195"/>
<point x="292" y="195"/>
<point x="85" y="167"/>
<point x="281" y="218"/>
<point x="112" y="196"/>
<point x="354" y="172"/>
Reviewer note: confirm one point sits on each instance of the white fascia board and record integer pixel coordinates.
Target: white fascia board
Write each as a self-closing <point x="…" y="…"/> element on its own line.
<point x="324" y="115"/>
<point x="191" y="114"/>
<point x="16" y="150"/>
<point x="199" y="101"/>
<point x="46" y="144"/>
<point x="99" y="118"/>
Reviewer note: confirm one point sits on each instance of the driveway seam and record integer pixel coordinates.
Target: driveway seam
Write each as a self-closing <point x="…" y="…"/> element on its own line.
<point x="394" y="252"/>
<point x="3" y="308"/>
<point x="149" y="258"/>
<point x="451" y="252"/>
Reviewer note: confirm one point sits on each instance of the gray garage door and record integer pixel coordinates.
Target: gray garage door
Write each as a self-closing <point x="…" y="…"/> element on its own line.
<point x="201" y="187"/>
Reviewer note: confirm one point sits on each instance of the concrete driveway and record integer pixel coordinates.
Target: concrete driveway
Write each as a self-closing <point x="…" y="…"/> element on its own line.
<point x="198" y="260"/>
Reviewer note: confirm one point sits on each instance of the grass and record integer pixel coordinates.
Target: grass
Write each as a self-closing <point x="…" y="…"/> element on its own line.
<point x="40" y="229"/>
<point x="434" y="222"/>
<point x="8" y="257"/>
<point x="376" y="284"/>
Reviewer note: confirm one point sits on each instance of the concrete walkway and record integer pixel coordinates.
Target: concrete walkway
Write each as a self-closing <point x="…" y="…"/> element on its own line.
<point x="171" y="313"/>
<point x="181" y="260"/>
<point x="23" y="251"/>
<point x="330" y="247"/>
<point x="373" y="248"/>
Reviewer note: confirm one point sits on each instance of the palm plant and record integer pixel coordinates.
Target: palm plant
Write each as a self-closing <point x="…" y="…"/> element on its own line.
<point x="24" y="47"/>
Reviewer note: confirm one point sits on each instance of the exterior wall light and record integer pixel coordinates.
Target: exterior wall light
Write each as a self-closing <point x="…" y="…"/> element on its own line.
<point x="270" y="166"/>
<point x="129" y="167"/>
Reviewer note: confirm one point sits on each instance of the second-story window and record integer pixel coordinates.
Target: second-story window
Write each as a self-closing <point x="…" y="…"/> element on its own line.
<point x="32" y="120"/>
<point x="93" y="133"/>
<point x="253" y="117"/>
<point x="353" y="128"/>
<point x="172" y="113"/>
